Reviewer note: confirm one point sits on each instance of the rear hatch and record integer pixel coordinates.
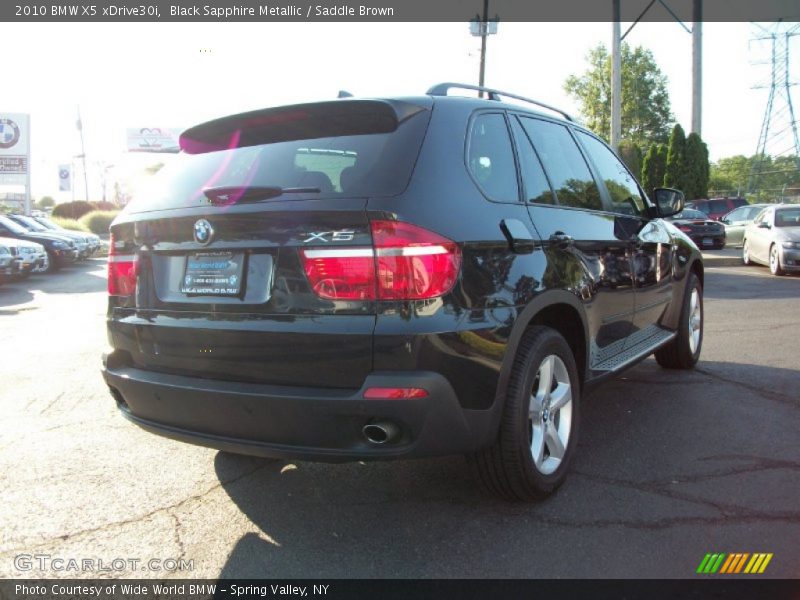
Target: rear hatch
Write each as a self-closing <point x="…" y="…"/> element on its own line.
<point x="215" y="271"/>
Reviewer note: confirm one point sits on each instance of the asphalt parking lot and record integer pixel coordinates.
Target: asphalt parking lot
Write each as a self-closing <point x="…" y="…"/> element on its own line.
<point x="671" y="466"/>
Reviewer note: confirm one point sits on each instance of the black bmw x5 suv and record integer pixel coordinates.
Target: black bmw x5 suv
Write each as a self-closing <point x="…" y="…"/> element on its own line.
<point x="391" y="278"/>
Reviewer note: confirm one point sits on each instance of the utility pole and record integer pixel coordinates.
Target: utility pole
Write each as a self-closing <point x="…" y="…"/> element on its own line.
<point x="481" y="26"/>
<point x="79" y="124"/>
<point x="483" y="43"/>
<point x="697" y="66"/>
<point x="616" y="78"/>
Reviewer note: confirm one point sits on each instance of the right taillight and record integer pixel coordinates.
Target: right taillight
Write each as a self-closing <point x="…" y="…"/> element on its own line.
<point x="406" y="263"/>
<point x="122" y="271"/>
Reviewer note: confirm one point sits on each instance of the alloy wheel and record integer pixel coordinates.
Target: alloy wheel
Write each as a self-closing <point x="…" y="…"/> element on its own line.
<point x="550" y="415"/>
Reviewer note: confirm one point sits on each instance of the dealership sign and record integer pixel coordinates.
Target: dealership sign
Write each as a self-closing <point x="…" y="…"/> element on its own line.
<point x="14" y="143"/>
<point x="153" y="139"/>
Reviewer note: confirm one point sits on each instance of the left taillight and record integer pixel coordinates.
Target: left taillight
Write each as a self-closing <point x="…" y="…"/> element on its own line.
<point x="122" y="271"/>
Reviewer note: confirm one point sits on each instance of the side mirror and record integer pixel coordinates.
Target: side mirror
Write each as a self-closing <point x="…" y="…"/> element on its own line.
<point x="726" y="221"/>
<point x="669" y="201"/>
<point x="763" y="225"/>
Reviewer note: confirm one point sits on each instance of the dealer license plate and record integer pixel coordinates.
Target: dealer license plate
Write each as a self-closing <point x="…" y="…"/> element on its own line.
<point x="213" y="274"/>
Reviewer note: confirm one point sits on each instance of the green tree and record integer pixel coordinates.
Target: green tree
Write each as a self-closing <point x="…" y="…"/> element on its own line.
<point x="631" y="155"/>
<point x="675" y="175"/>
<point x="46" y="202"/>
<point x="646" y="110"/>
<point x="653" y="167"/>
<point x="695" y="168"/>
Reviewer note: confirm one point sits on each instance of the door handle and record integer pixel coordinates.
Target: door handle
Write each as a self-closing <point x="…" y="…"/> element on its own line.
<point x="519" y="237"/>
<point x="561" y="239"/>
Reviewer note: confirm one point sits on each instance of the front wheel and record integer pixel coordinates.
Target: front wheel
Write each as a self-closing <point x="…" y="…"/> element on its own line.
<point x="683" y="351"/>
<point x="50" y="265"/>
<point x="775" y="261"/>
<point x="746" y="254"/>
<point x="539" y="428"/>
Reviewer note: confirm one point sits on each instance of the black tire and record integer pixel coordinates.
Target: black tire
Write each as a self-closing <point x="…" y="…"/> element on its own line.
<point x="775" y="261"/>
<point x="679" y="354"/>
<point x="507" y="468"/>
<point x="52" y="265"/>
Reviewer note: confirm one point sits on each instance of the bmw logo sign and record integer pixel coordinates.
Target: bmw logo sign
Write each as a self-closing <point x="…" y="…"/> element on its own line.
<point x="9" y="133"/>
<point x="203" y="232"/>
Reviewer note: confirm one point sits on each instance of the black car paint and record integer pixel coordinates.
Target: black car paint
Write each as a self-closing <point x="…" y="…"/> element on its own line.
<point x="615" y="276"/>
<point x="64" y="256"/>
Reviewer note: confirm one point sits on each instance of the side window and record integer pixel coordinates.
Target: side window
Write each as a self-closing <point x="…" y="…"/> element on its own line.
<point x="736" y="215"/>
<point x="490" y="158"/>
<point x="537" y="188"/>
<point x="626" y="198"/>
<point x="564" y="164"/>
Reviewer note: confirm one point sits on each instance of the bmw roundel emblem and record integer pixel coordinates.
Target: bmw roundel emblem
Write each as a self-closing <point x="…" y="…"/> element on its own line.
<point x="203" y="232"/>
<point x="9" y="133"/>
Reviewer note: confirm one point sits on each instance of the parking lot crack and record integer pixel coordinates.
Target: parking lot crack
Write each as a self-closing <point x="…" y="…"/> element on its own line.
<point x="169" y="508"/>
<point x="759" y="391"/>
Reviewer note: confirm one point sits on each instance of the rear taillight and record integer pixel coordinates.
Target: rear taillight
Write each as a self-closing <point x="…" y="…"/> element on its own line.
<point x="122" y="271"/>
<point x="406" y="263"/>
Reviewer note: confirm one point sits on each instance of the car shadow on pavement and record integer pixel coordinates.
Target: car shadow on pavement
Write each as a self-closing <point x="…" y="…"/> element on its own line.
<point x="11" y="294"/>
<point x="429" y="518"/>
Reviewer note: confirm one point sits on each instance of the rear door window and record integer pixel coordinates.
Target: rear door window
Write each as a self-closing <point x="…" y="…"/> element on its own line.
<point x="565" y="166"/>
<point x="537" y="188"/>
<point x="490" y="158"/>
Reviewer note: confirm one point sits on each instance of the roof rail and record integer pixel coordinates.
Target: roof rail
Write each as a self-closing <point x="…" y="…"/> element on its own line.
<point x="441" y="89"/>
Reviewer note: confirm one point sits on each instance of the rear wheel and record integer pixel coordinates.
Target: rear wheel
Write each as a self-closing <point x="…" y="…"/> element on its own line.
<point x="775" y="261"/>
<point x="539" y="428"/>
<point x="683" y="351"/>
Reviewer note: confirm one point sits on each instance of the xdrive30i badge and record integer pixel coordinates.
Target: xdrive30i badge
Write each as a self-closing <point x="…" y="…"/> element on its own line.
<point x="203" y="232"/>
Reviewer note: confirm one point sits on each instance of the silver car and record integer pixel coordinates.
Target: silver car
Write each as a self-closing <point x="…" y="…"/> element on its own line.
<point x="773" y="239"/>
<point x="736" y="220"/>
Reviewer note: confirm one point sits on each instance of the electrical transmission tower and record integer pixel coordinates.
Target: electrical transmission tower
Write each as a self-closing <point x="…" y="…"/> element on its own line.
<point x="778" y="137"/>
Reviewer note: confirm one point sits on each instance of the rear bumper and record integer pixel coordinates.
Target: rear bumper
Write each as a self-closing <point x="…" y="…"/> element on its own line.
<point x="298" y="423"/>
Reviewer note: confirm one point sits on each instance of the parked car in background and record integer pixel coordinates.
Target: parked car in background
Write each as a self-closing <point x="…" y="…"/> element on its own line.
<point x="61" y="251"/>
<point x="773" y="239"/>
<point x="703" y="231"/>
<point x="80" y="239"/>
<point x="94" y="239"/>
<point x="736" y="220"/>
<point x="716" y="208"/>
<point x="394" y="278"/>
<point x="9" y="264"/>
<point x="33" y="258"/>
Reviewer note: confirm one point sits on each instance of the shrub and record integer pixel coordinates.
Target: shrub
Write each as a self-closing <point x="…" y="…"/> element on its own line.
<point x="98" y="221"/>
<point x="46" y="202"/>
<point x="70" y="224"/>
<point x="101" y="205"/>
<point x="73" y="210"/>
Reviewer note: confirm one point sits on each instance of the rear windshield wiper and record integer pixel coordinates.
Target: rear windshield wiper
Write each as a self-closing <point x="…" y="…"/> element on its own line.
<point x="223" y="196"/>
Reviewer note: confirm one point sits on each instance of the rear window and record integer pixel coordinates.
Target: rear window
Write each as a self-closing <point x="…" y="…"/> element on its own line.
<point x="718" y="206"/>
<point x="359" y="165"/>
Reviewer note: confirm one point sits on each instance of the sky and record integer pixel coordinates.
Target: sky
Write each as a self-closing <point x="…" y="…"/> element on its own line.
<point x="174" y="75"/>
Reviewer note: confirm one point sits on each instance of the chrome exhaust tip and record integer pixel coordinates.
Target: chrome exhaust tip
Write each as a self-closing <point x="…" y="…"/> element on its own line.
<point x="381" y="432"/>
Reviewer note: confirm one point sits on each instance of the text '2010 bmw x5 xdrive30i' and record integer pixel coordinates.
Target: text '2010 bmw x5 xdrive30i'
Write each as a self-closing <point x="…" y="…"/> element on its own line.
<point x="374" y="279"/>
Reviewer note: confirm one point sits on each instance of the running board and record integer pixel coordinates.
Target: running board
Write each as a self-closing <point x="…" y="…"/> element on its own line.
<point x="641" y="348"/>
